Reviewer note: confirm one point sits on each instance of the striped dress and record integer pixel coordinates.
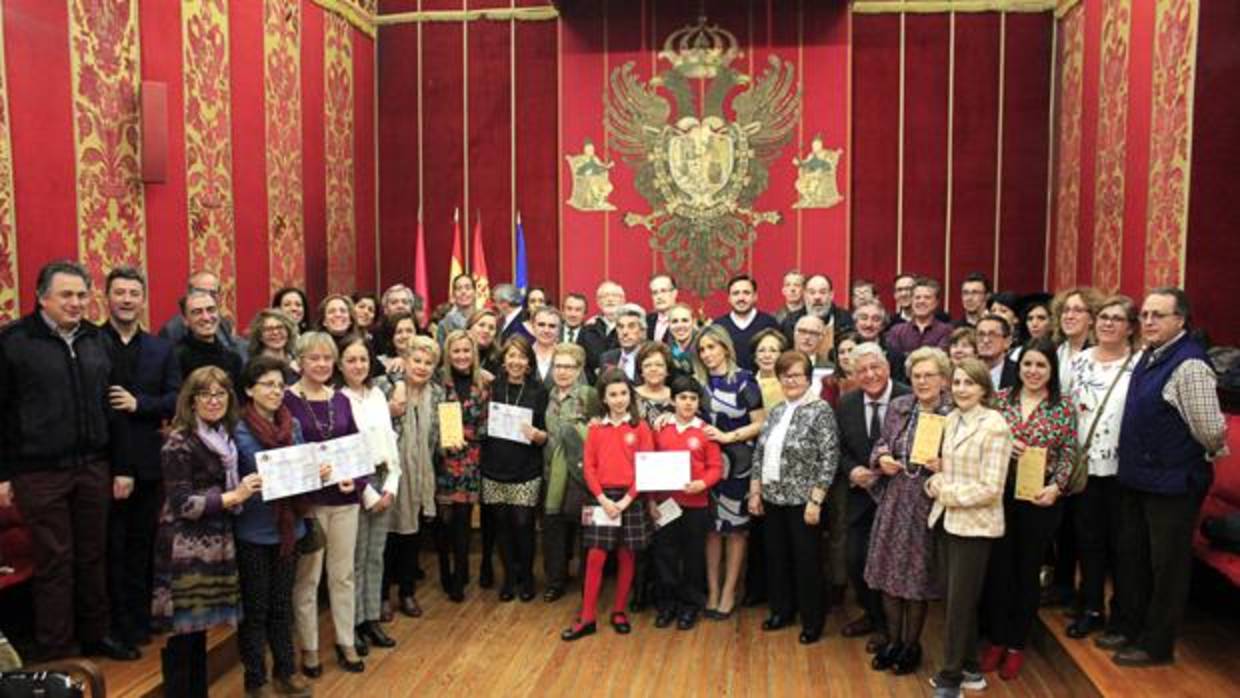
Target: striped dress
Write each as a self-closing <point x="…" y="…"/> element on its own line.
<point x="195" y="586"/>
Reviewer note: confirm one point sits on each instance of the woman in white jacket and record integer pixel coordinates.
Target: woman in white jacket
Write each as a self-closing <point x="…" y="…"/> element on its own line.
<point x="374" y="422"/>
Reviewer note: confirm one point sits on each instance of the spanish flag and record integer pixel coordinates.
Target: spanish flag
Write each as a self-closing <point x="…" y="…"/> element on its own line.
<point x="457" y="266"/>
<point x="482" y="285"/>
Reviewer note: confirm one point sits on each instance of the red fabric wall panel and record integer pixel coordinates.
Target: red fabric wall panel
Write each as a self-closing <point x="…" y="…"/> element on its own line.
<point x="249" y="143"/>
<point x="1213" y="253"/>
<point x="399" y="150"/>
<point x="875" y="123"/>
<point x="490" y="143"/>
<point x="314" y="172"/>
<point x="536" y="164"/>
<point x="364" y="159"/>
<point x="166" y="218"/>
<point x="36" y="36"/>
<point x="1089" y="141"/>
<point x="584" y="240"/>
<point x="1137" y="149"/>
<point x="823" y="233"/>
<point x="442" y="157"/>
<point x="975" y="134"/>
<point x="1026" y="151"/>
<point x="762" y="34"/>
<point x="925" y="147"/>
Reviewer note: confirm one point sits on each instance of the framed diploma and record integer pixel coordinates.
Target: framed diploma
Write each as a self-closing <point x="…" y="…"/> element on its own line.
<point x="451" y="426"/>
<point x="1030" y="473"/>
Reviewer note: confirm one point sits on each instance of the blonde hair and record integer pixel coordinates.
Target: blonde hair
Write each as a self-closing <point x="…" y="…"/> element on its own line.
<point x="445" y="368"/>
<point x="425" y="344"/>
<point x="979" y="374"/>
<point x="720" y="336"/>
<point x="572" y="351"/>
<point x="316" y="339"/>
<point x="932" y="354"/>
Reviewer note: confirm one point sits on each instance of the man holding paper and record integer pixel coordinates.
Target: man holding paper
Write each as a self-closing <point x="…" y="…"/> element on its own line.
<point x="682" y="516"/>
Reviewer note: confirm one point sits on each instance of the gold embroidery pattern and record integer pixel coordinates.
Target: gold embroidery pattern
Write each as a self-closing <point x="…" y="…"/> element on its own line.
<point x="104" y="65"/>
<point x="1112" y="137"/>
<point x="208" y="138"/>
<point x="282" y="94"/>
<point x="338" y="153"/>
<point x="1071" y="61"/>
<point x="10" y="300"/>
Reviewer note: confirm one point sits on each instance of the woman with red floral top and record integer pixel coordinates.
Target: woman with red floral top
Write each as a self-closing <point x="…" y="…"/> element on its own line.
<point x="609" y="466"/>
<point x="1039" y="416"/>
<point x="680" y="544"/>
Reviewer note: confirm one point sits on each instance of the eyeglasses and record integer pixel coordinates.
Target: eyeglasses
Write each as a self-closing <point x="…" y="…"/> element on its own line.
<point x="564" y="367"/>
<point x="270" y="385"/>
<point x="809" y="333"/>
<point x="1108" y="318"/>
<point x="212" y="395"/>
<point x="1154" y="315"/>
<point x="789" y="377"/>
<point x="1075" y="310"/>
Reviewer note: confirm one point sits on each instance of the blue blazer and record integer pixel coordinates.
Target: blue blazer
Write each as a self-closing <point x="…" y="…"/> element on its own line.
<point x="156" y="382"/>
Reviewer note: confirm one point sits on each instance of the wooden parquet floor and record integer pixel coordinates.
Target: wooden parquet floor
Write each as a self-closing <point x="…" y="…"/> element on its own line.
<point x="486" y="648"/>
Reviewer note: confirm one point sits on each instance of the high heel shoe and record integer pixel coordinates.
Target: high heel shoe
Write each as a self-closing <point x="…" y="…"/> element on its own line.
<point x="908" y="661"/>
<point x="356" y="666"/>
<point x="886" y="657"/>
<point x="311" y="671"/>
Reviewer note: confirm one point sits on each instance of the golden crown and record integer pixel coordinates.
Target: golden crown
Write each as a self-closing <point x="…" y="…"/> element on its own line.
<point x="699" y="51"/>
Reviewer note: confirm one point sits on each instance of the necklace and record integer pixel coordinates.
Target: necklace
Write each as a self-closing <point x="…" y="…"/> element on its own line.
<point x="507" y="393"/>
<point x="325" y="431"/>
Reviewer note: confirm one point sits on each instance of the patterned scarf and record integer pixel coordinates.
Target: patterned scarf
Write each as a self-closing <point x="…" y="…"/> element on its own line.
<point x="219" y="441"/>
<point x="278" y="433"/>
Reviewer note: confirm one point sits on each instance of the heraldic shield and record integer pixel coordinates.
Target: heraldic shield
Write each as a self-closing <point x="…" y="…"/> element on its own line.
<point x="700" y="153"/>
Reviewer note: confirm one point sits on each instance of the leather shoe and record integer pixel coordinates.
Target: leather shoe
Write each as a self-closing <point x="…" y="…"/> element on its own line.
<point x="908" y="661"/>
<point x="620" y="623"/>
<point x="1085" y="624"/>
<point x="1112" y="641"/>
<point x="312" y="672"/>
<point x="553" y="594"/>
<point x="775" y="622"/>
<point x="687" y="620"/>
<point x="112" y="649"/>
<point x="457" y="595"/>
<point x="809" y="636"/>
<point x="356" y="666"/>
<point x="1136" y="656"/>
<point x="376" y="636"/>
<point x="665" y="618"/>
<point x="359" y="641"/>
<point x="876" y="642"/>
<point x="385" y="613"/>
<point x="858" y="627"/>
<point x="886" y="657"/>
<point x="578" y="631"/>
<point x="526" y="594"/>
<point x="506" y="595"/>
<point x="486" y="577"/>
<point x="409" y="606"/>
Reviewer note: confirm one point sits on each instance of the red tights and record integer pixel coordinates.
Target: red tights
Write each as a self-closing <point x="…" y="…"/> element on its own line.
<point x="595" y="559"/>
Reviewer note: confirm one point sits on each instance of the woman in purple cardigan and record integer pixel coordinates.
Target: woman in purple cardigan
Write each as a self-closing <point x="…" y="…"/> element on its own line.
<point x="323" y="414"/>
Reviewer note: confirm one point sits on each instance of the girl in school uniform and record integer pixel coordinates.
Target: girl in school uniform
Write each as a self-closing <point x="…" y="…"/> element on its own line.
<point x="609" y="469"/>
<point x="680" y="545"/>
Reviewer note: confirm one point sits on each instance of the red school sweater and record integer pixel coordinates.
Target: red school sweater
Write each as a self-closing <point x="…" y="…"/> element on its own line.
<point x="610" y="455"/>
<point x="705" y="461"/>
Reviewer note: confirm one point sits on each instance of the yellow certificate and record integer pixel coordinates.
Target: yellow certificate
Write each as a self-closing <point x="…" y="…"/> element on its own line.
<point x="928" y="438"/>
<point x="1030" y="473"/>
<point x="451" y="428"/>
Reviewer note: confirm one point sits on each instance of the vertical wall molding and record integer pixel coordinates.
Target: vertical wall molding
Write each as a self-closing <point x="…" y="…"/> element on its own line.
<point x="10" y="288"/>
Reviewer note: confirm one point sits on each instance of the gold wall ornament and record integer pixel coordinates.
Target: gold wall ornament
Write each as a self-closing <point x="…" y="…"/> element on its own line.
<point x="817" y="172"/>
<point x="701" y="172"/>
<point x="591" y="180"/>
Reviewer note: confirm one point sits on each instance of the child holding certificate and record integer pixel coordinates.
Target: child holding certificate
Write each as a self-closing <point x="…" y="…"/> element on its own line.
<point x="1044" y="444"/>
<point x="610" y="474"/>
<point x="680" y="543"/>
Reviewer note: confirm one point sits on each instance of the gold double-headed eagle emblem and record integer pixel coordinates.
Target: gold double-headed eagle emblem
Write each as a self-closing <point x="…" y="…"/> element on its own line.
<point x="700" y="137"/>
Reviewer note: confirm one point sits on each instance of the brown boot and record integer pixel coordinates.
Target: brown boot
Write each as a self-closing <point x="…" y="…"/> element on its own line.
<point x="291" y="686"/>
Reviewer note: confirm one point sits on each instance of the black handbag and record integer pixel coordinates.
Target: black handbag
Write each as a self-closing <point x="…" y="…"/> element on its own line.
<point x="54" y="681"/>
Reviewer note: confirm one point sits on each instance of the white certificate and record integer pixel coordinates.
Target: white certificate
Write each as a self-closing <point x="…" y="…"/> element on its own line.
<point x="349" y="457"/>
<point x="669" y="511"/>
<point x="287" y="471"/>
<point x="597" y="516"/>
<point x="505" y="421"/>
<point x="662" y="471"/>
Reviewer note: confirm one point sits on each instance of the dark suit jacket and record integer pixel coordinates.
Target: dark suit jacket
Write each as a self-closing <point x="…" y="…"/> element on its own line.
<point x="855" y="447"/>
<point x="156" y="382"/>
<point x="516" y="327"/>
<point x="611" y="359"/>
<point x="1011" y="372"/>
<point x="595" y="339"/>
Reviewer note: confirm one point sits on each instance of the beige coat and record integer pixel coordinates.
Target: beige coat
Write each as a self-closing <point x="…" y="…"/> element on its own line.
<point x="976" y="451"/>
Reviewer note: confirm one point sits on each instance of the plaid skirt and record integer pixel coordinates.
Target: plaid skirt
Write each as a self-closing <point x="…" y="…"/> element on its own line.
<point x="632" y="533"/>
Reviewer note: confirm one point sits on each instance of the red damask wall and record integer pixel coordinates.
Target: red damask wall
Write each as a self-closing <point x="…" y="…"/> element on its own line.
<point x="71" y="84"/>
<point x="1144" y="192"/>
<point x="968" y="193"/>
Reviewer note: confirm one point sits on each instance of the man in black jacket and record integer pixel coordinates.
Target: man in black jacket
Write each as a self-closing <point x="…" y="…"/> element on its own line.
<point x="599" y="334"/>
<point x="146" y="381"/>
<point x="820" y="301"/>
<point x="201" y="346"/>
<point x="56" y="435"/>
<point x="860" y="416"/>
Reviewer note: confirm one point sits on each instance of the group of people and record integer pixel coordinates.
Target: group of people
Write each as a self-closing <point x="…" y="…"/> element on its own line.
<point x="133" y="458"/>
